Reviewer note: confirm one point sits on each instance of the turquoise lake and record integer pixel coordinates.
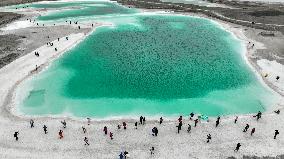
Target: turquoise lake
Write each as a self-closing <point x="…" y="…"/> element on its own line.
<point x="156" y="65"/>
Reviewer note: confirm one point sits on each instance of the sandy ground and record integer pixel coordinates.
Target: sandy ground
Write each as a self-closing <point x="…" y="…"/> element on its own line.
<point x="33" y="143"/>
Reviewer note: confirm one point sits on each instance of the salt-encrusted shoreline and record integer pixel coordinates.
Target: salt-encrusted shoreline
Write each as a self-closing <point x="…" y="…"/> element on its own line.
<point x="34" y="143"/>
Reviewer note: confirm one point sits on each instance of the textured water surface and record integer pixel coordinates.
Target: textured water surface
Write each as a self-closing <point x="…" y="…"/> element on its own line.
<point x="157" y="64"/>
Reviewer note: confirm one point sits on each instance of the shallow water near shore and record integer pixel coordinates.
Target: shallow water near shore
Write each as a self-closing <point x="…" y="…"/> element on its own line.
<point x="155" y="65"/>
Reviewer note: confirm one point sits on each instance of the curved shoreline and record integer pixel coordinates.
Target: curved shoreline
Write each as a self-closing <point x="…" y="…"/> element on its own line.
<point x="10" y="105"/>
<point x="34" y="144"/>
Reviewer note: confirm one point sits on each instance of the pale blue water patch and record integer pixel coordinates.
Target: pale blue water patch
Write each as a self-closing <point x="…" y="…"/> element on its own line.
<point x="84" y="9"/>
<point x="154" y="65"/>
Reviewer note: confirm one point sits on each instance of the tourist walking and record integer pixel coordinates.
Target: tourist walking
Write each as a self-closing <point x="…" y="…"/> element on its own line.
<point x="111" y="135"/>
<point x="86" y="141"/>
<point x="180" y="119"/>
<point x="45" y="129"/>
<point x="126" y="154"/>
<point x="136" y="125"/>
<point x="118" y="126"/>
<point x="276" y="133"/>
<point x="252" y="131"/>
<point x="144" y="120"/>
<point x="277" y="111"/>
<point x="236" y="119"/>
<point x="238" y="147"/>
<point x="141" y="120"/>
<point x="16" y="135"/>
<point x="246" y="128"/>
<point x="60" y="134"/>
<point x="89" y="121"/>
<point x="218" y="121"/>
<point x="105" y="130"/>
<point x="161" y="120"/>
<point x="189" y="128"/>
<point x="191" y="115"/>
<point x="32" y="123"/>
<point x="179" y="126"/>
<point x="195" y="122"/>
<point x="121" y="156"/>
<point x="124" y="125"/>
<point x="152" y="150"/>
<point x="208" y="138"/>
<point x="155" y="131"/>
<point x="84" y="129"/>
<point x="258" y="115"/>
<point x="64" y="123"/>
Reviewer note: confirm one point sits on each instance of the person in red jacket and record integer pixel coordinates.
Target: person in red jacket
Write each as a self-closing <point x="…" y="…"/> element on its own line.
<point x="60" y="134"/>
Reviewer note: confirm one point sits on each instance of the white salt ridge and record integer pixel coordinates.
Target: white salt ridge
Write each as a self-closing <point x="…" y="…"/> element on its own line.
<point x="17" y="25"/>
<point x="273" y="69"/>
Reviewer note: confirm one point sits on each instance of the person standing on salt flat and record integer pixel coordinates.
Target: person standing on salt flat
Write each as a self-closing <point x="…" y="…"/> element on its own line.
<point x="126" y="154"/>
<point x="161" y="120"/>
<point x="252" y="131"/>
<point x="86" y="141"/>
<point x="60" y="134"/>
<point x="179" y="126"/>
<point x="155" y="131"/>
<point x="84" y="129"/>
<point x="180" y="119"/>
<point x="277" y="111"/>
<point x="238" y="147"/>
<point x="16" y="135"/>
<point x="246" y="128"/>
<point x="64" y="123"/>
<point x="121" y="155"/>
<point x="111" y="135"/>
<point x="191" y="115"/>
<point x="258" y="115"/>
<point x="208" y="138"/>
<point x="195" y="122"/>
<point x="136" y="125"/>
<point x="217" y="121"/>
<point x="144" y="120"/>
<point x="189" y="128"/>
<point x="276" y="133"/>
<point x="89" y="121"/>
<point x="152" y="150"/>
<point x="45" y="129"/>
<point x="236" y="119"/>
<point x="141" y="120"/>
<point x="32" y="123"/>
<point x="124" y="125"/>
<point x="105" y="130"/>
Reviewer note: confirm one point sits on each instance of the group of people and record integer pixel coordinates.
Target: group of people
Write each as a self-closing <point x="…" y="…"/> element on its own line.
<point x="154" y="130"/>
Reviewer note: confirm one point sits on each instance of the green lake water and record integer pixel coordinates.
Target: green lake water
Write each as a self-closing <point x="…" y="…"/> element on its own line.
<point x="155" y="65"/>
